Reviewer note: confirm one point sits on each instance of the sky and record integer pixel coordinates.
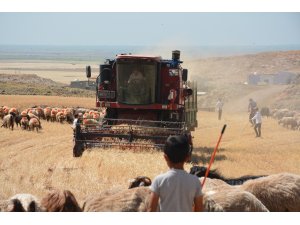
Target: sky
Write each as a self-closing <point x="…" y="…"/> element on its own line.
<point x="150" y="28"/>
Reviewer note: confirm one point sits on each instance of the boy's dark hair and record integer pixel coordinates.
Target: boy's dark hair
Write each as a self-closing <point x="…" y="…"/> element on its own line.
<point x="177" y="148"/>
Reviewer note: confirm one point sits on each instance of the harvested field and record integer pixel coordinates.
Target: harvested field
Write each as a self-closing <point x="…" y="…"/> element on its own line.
<point x="36" y="162"/>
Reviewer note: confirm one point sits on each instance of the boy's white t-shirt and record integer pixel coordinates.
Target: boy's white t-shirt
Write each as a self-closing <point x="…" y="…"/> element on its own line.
<point x="176" y="190"/>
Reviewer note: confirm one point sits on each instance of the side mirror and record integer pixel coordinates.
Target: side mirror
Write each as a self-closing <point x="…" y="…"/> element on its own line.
<point x="88" y="71"/>
<point x="184" y="75"/>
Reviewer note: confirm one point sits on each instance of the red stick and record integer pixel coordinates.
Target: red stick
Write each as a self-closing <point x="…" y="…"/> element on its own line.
<point x="214" y="154"/>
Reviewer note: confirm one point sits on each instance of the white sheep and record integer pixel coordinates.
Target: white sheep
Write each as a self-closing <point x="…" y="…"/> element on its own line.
<point x="21" y="203"/>
<point x="8" y="121"/>
<point x="129" y="200"/>
<point x="288" y="122"/>
<point x="220" y="196"/>
<point x="278" y="192"/>
<point x="34" y="123"/>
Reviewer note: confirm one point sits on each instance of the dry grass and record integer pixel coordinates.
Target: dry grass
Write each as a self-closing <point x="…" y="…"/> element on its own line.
<point x="241" y="152"/>
<point x="35" y="162"/>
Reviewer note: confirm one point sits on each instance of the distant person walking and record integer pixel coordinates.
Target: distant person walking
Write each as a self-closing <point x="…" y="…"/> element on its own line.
<point x="219" y="108"/>
<point x="251" y="109"/>
<point x="256" y="119"/>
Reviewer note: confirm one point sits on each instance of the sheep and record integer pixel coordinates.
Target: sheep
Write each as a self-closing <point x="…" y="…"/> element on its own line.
<point x="200" y="171"/>
<point x="129" y="200"/>
<point x="34" y="123"/>
<point x="60" y="201"/>
<point x="22" y="203"/>
<point x="289" y="114"/>
<point x="278" y="192"/>
<point x="232" y="201"/>
<point x="68" y="113"/>
<point x="288" y="121"/>
<point x="25" y="123"/>
<point x="139" y="182"/>
<point x="18" y="119"/>
<point x="53" y="114"/>
<point x="47" y="113"/>
<point x="14" y="111"/>
<point x="40" y="112"/>
<point x="31" y="112"/>
<point x="60" y="117"/>
<point x="5" y="110"/>
<point x="8" y="121"/>
<point x="280" y="113"/>
<point x="220" y="196"/>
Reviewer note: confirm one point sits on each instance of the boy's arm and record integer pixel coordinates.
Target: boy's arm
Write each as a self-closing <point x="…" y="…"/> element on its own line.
<point x="153" y="202"/>
<point x="198" y="204"/>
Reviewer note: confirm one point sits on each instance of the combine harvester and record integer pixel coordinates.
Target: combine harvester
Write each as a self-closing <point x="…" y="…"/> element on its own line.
<point x="146" y="98"/>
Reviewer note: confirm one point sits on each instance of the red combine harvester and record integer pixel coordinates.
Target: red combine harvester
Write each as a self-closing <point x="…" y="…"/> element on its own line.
<point x="146" y="98"/>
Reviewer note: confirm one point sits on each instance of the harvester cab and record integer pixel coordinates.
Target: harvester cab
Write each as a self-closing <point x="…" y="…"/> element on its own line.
<point x="146" y="99"/>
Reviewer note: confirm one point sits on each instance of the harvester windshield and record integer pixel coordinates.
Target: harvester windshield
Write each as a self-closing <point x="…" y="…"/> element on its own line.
<point x="136" y="83"/>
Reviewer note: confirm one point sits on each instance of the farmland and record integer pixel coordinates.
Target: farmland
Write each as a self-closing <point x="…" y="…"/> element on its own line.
<point x="36" y="162"/>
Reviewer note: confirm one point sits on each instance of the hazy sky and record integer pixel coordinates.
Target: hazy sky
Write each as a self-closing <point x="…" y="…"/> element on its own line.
<point x="150" y="28"/>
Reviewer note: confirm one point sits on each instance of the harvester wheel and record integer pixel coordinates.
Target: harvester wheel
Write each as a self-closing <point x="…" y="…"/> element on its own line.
<point x="78" y="149"/>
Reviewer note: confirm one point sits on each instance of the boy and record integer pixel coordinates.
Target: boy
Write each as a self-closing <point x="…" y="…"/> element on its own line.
<point x="256" y="119"/>
<point x="251" y="109"/>
<point x="176" y="190"/>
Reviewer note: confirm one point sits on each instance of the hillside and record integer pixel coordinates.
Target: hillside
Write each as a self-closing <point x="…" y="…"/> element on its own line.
<point x="225" y="77"/>
<point x="31" y="84"/>
<point x="217" y="71"/>
<point x="290" y="97"/>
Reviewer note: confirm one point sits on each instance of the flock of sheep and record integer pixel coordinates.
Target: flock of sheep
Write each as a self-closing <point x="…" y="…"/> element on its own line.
<point x="275" y="193"/>
<point x="30" y="118"/>
<point x="286" y="118"/>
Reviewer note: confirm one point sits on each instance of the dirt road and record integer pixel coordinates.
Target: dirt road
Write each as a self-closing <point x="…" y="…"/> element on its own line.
<point x="263" y="97"/>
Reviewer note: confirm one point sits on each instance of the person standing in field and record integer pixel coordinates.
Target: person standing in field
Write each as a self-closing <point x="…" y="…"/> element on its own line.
<point x="219" y="108"/>
<point x="251" y="109"/>
<point x="257" y="121"/>
<point x="176" y="190"/>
